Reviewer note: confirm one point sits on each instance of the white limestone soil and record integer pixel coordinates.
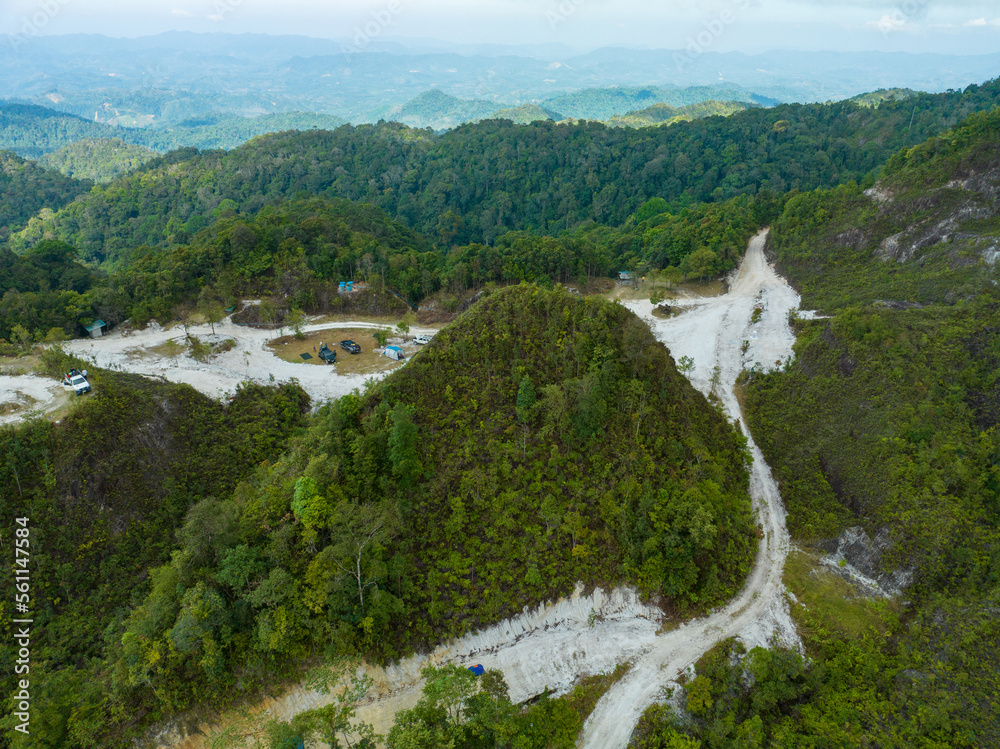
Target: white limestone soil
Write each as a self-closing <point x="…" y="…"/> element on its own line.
<point x="551" y="647"/>
<point x="25" y="396"/>
<point x="711" y="331"/>
<point x="250" y="359"/>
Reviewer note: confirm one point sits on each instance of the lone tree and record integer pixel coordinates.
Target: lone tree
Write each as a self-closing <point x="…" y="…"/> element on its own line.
<point x="210" y="306"/>
<point x="701" y="263"/>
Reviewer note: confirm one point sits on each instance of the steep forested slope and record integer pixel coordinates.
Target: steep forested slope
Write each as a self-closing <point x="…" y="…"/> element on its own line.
<point x="97" y="159"/>
<point x="900" y="383"/>
<point x="25" y="189"/>
<point x="886" y="420"/>
<point x="495" y="176"/>
<point x="105" y="491"/>
<point x="927" y="232"/>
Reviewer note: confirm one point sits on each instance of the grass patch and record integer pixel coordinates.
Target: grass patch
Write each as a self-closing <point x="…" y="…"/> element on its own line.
<point x="828" y="603"/>
<point x="19" y="365"/>
<point x="171" y="349"/>
<point x="289" y="348"/>
<point x="677" y="291"/>
<point x="585" y="695"/>
<point x="24" y="402"/>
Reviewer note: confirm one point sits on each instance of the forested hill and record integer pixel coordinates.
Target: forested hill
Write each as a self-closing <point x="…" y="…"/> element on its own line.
<point x="539" y="440"/>
<point x="26" y="188"/>
<point x="99" y="160"/>
<point x="925" y="233"/>
<point x="32" y="131"/>
<point x="888" y="419"/>
<point x="479" y="181"/>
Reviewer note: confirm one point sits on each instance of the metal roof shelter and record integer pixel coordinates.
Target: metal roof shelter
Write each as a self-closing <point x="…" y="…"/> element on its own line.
<point x="96" y="328"/>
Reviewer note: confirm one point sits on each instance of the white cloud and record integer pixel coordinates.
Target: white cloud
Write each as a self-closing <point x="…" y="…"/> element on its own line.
<point x="983" y="22"/>
<point x="181" y="12"/>
<point x="215" y="17"/>
<point x="888" y="24"/>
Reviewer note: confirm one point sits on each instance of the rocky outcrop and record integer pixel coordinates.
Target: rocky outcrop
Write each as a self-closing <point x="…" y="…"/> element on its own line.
<point x="857" y="557"/>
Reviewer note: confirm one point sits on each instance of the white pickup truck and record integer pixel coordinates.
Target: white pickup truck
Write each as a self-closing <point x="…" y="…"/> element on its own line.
<point x="77" y="380"/>
<point x="421" y="339"/>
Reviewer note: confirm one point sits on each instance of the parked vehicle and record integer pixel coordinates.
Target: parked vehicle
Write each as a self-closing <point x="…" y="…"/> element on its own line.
<point x="421" y="339"/>
<point x="350" y="347"/>
<point x="327" y="354"/>
<point x="77" y="380"/>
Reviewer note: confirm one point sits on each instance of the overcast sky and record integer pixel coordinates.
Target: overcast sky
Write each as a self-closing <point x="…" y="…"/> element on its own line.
<point x="951" y="26"/>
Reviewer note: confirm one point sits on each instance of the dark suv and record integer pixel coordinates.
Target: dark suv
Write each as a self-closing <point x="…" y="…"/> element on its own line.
<point x="327" y="354"/>
<point x="350" y="347"/>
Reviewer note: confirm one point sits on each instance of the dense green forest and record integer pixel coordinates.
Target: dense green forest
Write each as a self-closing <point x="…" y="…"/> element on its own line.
<point x="886" y="420"/>
<point x="97" y="160"/>
<point x="297" y="252"/>
<point x="386" y="526"/>
<point x="480" y="181"/>
<point x="26" y="189"/>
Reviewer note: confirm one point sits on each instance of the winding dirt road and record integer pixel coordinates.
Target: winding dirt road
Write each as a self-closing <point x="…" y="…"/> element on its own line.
<point x="711" y="332"/>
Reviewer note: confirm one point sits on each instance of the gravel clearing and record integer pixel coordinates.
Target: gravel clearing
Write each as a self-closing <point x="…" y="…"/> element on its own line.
<point x="250" y="359"/>
<point x="24" y="396"/>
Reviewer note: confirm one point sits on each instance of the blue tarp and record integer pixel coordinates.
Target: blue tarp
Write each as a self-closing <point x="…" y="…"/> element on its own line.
<point x="477" y="670"/>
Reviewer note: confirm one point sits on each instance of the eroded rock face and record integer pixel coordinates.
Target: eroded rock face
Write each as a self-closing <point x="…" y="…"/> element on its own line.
<point x="946" y="210"/>
<point x="857" y="557"/>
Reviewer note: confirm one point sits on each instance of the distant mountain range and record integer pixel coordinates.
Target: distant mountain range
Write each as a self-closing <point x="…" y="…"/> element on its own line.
<point x="177" y="75"/>
<point x="32" y="131"/>
<point x="219" y="90"/>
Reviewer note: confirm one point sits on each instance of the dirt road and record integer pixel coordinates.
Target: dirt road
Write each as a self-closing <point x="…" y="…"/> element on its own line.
<point x="711" y="332"/>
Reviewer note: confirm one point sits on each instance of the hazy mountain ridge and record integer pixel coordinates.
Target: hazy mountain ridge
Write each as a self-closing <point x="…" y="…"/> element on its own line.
<point x="273" y="74"/>
<point x="31" y="131"/>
